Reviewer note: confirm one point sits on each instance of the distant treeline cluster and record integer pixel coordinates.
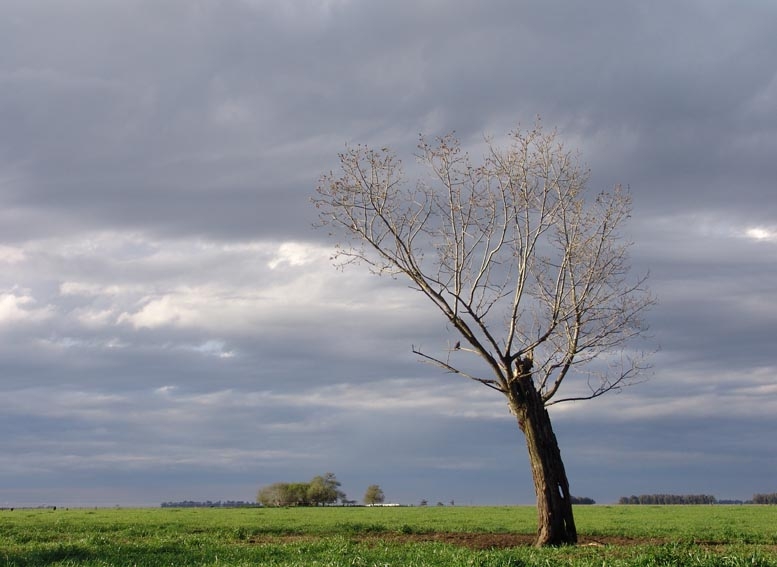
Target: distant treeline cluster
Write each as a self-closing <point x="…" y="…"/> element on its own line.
<point x="582" y="500"/>
<point x="694" y="499"/>
<point x="669" y="499"/>
<point x="320" y="490"/>
<point x="765" y="498"/>
<point x="209" y="504"/>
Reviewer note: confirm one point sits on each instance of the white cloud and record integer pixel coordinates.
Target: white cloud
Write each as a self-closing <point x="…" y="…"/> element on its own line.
<point x="688" y="394"/>
<point x="165" y="390"/>
<point x="214" y="348"/>
<point x="761" y="234"/>
<point x="437" y="396"/>
<point x="95" y="319"/>
<point x="11" y="254"/>
<point x="239" y="289"/>
<point x="710" y="224"/>
<point x="295" y="254"/>
<point x="94" y="289"/>
<point x="15" y="308"/>
<point x="180" y="310"/>
<point x="216" y="308"/>
<point x="126" y="283"/>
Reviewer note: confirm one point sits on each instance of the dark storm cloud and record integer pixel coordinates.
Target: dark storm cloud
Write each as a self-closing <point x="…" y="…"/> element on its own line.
<point x="218" y="118"/>
<point x="160" y="278"/>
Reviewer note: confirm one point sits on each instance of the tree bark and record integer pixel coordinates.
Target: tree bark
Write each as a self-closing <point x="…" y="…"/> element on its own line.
<point x="555" y="521"/>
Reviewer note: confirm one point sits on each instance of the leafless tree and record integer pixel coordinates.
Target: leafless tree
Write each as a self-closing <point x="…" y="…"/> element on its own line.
<point x="530" y="270"/>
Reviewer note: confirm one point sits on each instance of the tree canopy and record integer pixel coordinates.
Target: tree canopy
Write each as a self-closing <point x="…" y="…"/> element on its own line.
<point x="374" y="495"/>
<point x="528" y="268"/>
<point x="319" y="490"/>
<point x="510" y="250"/>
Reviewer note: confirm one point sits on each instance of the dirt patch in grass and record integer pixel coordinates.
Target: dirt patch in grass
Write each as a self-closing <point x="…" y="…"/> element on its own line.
<point x="468" y="540"/>
<point x="496" y="541"/>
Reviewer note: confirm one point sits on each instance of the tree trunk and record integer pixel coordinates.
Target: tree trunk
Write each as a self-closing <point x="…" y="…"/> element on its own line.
<point x="556" y="524"/>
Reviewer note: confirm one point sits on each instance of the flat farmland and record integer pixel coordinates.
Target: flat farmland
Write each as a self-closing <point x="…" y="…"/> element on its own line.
<point x="444" y="536"/>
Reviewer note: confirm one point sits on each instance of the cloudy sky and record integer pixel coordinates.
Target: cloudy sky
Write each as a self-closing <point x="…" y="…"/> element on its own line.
<point x="171" y="326"/>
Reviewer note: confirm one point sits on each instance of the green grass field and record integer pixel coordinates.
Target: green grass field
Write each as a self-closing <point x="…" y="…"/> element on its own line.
<point x="620" y="535"/>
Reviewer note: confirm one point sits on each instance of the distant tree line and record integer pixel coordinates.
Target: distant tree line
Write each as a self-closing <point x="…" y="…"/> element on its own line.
<point x="582" y="500"/>
<point x="765" y="498"/>
<point x="668" y="499"/>
<point x="209" y="504"/>
<point x="694" y="499"/>
<point x="319" y="491"/>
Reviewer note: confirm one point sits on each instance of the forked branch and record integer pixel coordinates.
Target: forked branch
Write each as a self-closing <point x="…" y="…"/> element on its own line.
<point x="510" y="250"/>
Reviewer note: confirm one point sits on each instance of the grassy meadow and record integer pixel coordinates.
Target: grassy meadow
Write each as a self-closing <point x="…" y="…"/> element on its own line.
<point x="610" y="535"/>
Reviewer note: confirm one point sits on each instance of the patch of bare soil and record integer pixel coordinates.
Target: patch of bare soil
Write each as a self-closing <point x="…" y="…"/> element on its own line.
<point x="468" y="540"/>
<point x="494" y="541"/>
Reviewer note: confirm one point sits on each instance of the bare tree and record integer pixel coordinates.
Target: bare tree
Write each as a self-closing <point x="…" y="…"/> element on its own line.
<point x="531" y="273"/>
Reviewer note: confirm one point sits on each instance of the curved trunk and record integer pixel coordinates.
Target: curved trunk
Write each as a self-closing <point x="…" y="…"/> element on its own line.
<point x="556" y="523"/>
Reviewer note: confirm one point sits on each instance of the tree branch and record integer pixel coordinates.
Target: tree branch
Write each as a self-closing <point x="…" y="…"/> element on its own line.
<point x="493" y="384"/>
<point x="509" y="250"/>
